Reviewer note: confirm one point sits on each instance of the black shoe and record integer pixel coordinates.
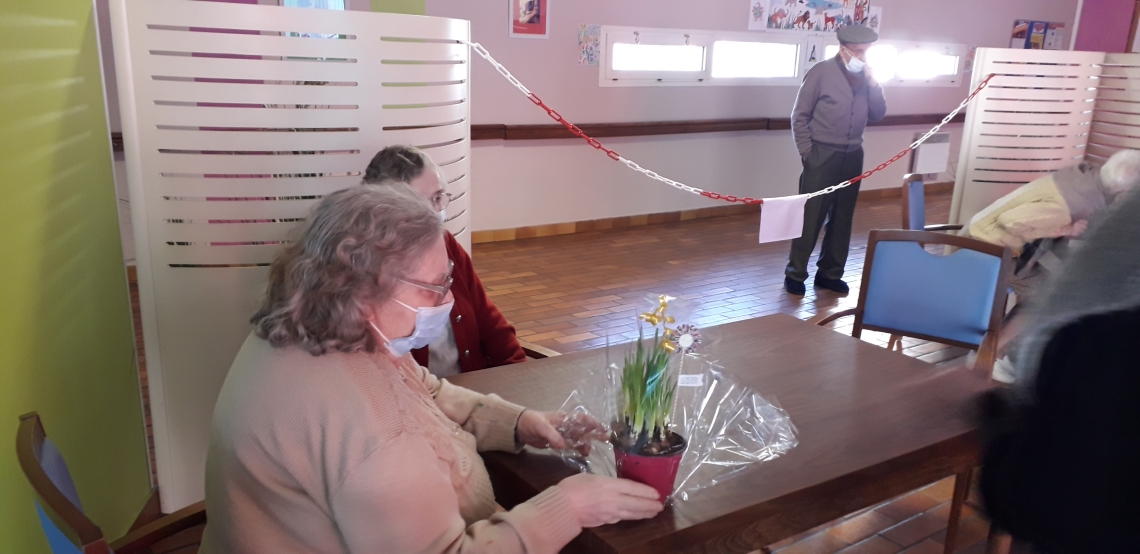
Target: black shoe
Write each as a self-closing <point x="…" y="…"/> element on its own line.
<point x="836" y="285"/>
<point x="794" y="287"/>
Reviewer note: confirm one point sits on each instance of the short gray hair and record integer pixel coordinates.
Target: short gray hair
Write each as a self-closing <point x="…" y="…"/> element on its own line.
<point x="397" y="163"/>
<point x="353" y="247"/>
<point x="1121" y="172"/>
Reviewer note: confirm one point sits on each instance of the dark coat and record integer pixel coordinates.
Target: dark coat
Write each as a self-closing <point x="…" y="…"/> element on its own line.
<point x="1061" y="465"/>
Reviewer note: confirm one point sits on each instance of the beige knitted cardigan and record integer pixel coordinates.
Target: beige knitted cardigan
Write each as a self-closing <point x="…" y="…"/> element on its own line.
<point x="348" y="453"/>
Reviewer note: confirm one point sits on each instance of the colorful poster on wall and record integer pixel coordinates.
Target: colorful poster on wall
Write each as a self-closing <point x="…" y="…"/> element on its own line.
<point x="589" y="41"/>
<point x="862" y="11"/>
<point x="1037" y="35"/>
<point x="816" y="15"/>
<point x="875" y="21"/>
<point x="758" y="15"/>
<point x="529" y="18"/>
<point x="1055" y="37"/>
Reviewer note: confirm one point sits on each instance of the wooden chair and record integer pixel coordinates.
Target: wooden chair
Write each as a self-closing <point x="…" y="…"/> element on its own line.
<point x="956" y="299"/>
<point x="914" y="206"/>
<point x="536" y="352"/>
<point x="68" y="530"/>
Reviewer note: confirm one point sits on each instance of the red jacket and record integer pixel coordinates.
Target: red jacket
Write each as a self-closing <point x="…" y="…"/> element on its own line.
<point x="482" y="335"/>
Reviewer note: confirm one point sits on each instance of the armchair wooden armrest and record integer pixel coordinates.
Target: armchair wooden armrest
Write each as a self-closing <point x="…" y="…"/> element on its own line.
<point x="140" y="540"/>
<point x="832" y="315"/>
<point x="943" y="227"/>
<point x="537" y="352"/>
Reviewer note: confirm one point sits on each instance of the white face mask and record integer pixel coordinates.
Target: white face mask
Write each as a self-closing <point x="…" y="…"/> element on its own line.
<point x="443" y="216"/>
<point x="855" y="65"/>
<point x="431" y="323"/>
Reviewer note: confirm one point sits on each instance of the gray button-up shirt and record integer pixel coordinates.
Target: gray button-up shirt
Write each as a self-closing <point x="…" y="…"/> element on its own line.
<point x="831" y="111"/>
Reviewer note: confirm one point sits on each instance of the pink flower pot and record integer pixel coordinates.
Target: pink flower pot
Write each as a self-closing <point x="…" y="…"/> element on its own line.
<point x="658" y="472"/>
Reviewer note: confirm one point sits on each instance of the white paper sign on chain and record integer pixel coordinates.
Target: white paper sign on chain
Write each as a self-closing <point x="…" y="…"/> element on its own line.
<point x="782" y="218"/>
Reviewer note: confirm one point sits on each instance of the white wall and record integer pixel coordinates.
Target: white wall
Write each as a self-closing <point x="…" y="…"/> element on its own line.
<point x="519" y="183"/>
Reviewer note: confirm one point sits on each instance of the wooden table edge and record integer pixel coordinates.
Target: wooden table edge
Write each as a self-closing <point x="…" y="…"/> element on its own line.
<point x="788" y="515"/>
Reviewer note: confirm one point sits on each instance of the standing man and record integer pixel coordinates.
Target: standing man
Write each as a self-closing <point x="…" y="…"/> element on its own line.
<point x="836" y="100"/>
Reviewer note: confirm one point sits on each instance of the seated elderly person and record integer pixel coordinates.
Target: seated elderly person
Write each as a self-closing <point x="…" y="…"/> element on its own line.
<point x="327" y="437"/>
<point x="1035" y="221"/>
<point x="476" y="336"/>
<point x="1057" y="205"/>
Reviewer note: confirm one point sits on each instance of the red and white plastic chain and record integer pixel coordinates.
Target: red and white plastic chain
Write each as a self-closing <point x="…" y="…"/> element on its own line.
<point x="913" y="145"/>
<point x="478" y="48"/>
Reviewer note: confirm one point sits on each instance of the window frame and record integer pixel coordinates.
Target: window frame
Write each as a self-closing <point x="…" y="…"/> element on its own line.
<point x="610" y="35"/>
<point x="945" y="48"/>
<point x="664" y="37"/>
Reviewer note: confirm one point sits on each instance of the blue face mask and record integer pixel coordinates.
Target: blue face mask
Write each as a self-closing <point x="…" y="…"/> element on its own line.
<point x="431" y="323"/>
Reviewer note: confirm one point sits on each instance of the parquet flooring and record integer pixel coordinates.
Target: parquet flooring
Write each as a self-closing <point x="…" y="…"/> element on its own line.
<point x="573" y="292"/>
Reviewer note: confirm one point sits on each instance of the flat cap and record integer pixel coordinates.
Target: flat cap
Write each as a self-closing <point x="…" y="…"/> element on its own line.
<point x="856" y="34"/>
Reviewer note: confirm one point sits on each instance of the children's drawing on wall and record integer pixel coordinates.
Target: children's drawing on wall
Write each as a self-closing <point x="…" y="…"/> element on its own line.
<point x="862" y="12"/>
<point x="758" y="15"/>
<point x="815" y="50"/>
<point x="529" y="18"/>
<point x="589" y="41"/>
<point x="832" y="20"/>
<point x="968" y="63"/>
<point x="875" y="21"/>
<point x="817" y="15"/>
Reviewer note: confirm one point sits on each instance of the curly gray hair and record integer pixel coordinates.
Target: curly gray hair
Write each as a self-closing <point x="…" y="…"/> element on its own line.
<point x="1121" y="172"/>
<point x="353" y="247"/>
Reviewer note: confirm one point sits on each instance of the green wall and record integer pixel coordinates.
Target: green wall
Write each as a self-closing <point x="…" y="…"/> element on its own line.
<point x="414" y="7"/>
<point x="66" y="344"/>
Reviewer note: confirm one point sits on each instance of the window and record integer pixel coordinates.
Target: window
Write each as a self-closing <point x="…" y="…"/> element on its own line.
<point x="665" y="57"/>
<point x="658" y="57"/>
<point x="912" y="64"/>
<point x="632" y="56"/>
<point x="734" y="59"/>
<point x="319" y="4"/>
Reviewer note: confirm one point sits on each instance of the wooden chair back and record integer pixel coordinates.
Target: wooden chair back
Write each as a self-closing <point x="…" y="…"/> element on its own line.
<point x="956" y="299"/>
<point x="914" y="206"/>
<point x="68" y="529"/>
<point x="66" y="526"/>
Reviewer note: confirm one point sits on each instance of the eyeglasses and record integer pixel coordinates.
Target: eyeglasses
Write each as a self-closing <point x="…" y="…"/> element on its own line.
<point x="441" y="290"/>
<point x="440" y="200"/>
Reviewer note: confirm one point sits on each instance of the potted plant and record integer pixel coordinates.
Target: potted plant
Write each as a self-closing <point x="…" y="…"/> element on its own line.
<point x="645" y="449"/>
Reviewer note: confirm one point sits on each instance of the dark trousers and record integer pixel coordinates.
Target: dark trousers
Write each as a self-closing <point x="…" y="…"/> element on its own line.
<point x="823" y="168"/>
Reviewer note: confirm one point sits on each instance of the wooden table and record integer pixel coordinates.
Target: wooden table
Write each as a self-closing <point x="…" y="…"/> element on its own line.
<point x="873" y="424"/>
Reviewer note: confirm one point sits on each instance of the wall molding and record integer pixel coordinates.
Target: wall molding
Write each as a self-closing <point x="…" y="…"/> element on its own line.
<point x="499" y="131"/>
<point x="501" y="235"/>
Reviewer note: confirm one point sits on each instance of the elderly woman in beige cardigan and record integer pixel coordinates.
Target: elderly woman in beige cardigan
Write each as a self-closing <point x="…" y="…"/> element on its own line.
<point x="328" y="437"/>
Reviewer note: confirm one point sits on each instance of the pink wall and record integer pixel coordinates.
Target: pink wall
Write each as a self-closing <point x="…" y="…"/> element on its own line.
<point x="1104" y="25"/>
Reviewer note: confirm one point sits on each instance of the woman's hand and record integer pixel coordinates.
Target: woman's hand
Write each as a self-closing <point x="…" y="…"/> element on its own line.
<point x="597" y="500"/>
<point x="558" y="430"/>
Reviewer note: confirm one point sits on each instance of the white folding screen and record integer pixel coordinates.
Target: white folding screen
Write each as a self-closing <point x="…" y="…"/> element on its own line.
<point x="1034" y="117"/>
<point x="236" y="119"/>
<point x="1116" y="118"/>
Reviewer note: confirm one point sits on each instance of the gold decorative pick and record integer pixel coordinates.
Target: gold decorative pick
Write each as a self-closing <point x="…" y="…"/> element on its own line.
<point x="657" y="317"/>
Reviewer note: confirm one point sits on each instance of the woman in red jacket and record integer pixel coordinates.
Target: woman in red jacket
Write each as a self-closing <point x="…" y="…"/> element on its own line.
<point x="478" y="336"/>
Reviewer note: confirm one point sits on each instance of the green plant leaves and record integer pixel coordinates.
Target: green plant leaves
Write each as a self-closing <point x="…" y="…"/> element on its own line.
<point x="647" y="389"/>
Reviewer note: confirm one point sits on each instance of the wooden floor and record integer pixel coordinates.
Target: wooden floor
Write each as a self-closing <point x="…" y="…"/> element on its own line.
<point x="573" y="292"/>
